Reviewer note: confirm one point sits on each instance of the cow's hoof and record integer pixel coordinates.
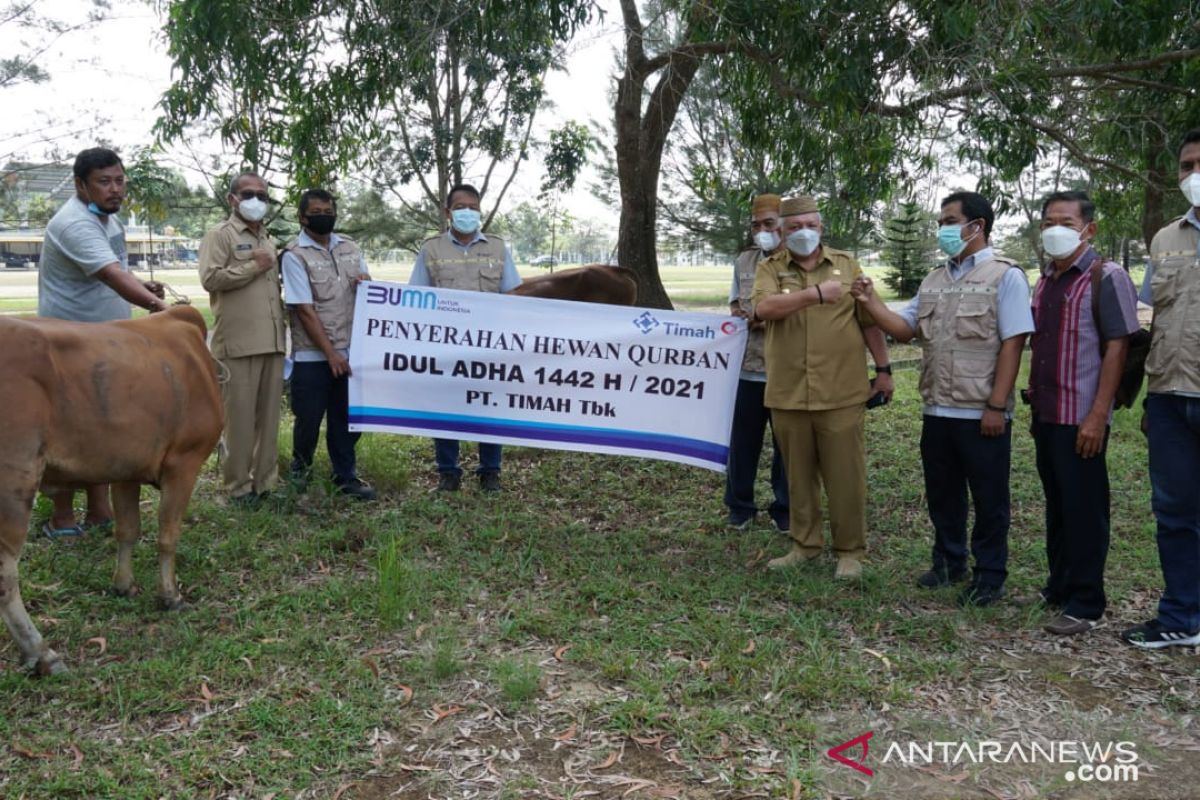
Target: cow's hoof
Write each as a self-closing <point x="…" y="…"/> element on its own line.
<point x="172" y="603"/>
<point x="129" y="591"/>
<point x="49" y="664"/>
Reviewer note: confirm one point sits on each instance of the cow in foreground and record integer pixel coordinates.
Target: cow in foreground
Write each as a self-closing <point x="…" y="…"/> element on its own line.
<point x="595" y="283"/>
<point x="125" y="403"/>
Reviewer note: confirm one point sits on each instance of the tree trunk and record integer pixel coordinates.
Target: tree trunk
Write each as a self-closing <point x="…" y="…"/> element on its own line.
<point x="1158" y="186"/>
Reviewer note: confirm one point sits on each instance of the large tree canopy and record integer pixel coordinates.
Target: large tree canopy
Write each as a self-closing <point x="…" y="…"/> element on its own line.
<point x="413" y="92"/>
<point x="859" y="89"/>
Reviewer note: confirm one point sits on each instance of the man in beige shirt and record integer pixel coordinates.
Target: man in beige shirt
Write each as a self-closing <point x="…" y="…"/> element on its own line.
<point x="817" y="384"/>
<point x="238" y="268"/>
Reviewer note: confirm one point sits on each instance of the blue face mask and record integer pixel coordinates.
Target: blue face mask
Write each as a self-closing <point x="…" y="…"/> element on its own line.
<point x="950" y="239"/>
<point x="465" y="220"/>
<point x="95" y="209"/>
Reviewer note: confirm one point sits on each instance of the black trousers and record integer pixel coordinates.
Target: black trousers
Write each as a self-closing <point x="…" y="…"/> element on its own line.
<point x="1077" y="519"/>
<point x="956" y="457"/>
<point x="750" y="420"/>
<point x="316" y="394"/>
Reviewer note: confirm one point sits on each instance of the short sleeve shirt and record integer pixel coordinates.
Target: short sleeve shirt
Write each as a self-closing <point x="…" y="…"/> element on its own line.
<point x="77" y="245"/>
<point x="297" y="290"/>
<point x="816" y="357"/>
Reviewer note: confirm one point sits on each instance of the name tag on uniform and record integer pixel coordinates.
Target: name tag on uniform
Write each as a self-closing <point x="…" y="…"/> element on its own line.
<point x="245" y="247"/>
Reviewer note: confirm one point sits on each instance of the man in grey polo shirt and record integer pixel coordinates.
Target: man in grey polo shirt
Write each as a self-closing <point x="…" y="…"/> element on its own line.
<point x="83" y="276"/>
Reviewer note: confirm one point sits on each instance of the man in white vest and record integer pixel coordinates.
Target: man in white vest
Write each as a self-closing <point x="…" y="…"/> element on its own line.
<point x="971" y="316"/>
<point x="321" y="271"/>
<point x="464" y="258"/>
<point x="1172" y="286"/>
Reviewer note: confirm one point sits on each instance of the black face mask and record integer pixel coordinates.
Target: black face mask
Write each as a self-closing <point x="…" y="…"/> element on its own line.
<point x="321" y="224"/>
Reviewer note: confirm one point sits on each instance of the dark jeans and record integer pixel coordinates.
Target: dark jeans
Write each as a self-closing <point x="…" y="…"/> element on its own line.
<point x="316" y="394"/>
<point x="1077" y="519"/>
<point x="445" y="452"/>
<point x="750" y="421"/>
<point x="1174" y="467"/>
<point x="956" y="456"/>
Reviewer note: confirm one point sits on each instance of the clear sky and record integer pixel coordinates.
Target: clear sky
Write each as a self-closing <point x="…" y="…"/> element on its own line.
<point x="106" y="79"/>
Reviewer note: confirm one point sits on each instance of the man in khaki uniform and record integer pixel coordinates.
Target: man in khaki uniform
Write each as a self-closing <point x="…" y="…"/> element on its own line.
<point x="464" y="258"/>
<point x="238" y="268"/>
<point x="1172" y="286"/>
<point x="817" y="384"/>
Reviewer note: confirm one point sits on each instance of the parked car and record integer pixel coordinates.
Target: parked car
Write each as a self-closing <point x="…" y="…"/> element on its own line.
<point x="544" y="261"/>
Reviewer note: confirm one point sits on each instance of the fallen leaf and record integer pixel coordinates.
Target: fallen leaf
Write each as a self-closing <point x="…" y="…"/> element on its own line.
<point x="77" y="762"/>
<point x="651" y="741"/>
<point x="101" y="644"/>
<point x="341" y="790"/>
<point x="205" y="692"/>
<point x="560" y="652"/>
<point x="407" y="692"/>
<point x="441" y="712"/>
<point x="378" y="651"/>
<point x="420" y="631"/>
<point x="797" y="788"/>
<point x="25" y="752"/>
<point x="416" y="768"/>
<point x="887" y="664"/>
<point x="749" y="648"/>
<point x="249" y="664"/>
<point x="613" y="757"/>
<point x="567" y="735"/>
<point x="370" y="664"/>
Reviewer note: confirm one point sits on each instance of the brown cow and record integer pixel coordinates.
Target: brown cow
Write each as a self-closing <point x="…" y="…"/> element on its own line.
<point x="595" y="283"/>
<point x="125" y="403"/>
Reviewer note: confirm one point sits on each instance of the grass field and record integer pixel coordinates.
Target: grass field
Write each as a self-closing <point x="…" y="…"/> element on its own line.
<point x="593" y="631"/>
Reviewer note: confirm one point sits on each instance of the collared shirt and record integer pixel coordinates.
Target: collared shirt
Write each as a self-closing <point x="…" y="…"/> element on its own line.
<point x="509" y="278"/>
<point x="1064" y="371"/>
<point x="247" y="309"/>
<point x="78" y="244"/>
<point x="816" y="357"/>
<point x="1013" y="316"/>
<point x="297" y="290"/>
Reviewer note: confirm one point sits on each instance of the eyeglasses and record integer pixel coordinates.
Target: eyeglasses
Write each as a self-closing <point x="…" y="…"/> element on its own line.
<point x="246" y="194"/>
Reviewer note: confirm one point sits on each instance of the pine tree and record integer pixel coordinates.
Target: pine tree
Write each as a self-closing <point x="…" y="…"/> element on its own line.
<point x="906" y="249"/>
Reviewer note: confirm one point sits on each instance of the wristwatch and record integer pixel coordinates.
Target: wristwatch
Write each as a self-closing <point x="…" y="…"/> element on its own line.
<point x="886" y="369"/>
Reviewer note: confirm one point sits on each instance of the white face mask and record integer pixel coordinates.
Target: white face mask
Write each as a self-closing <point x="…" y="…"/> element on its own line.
<point x="252" y="210"/>
<point x="1190" y="186"/>
<point x="766" y="240"/>
<point x="804" y="241"/>
<point x="1059" y="241"/>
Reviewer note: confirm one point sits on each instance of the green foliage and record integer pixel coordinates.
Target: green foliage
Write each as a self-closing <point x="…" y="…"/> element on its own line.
<point x="908" y="247"/>
<point x="566" y="155"/>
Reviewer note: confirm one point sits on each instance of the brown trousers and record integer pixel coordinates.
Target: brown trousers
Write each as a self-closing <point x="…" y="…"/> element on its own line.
<point x="825" y="447"/>
<point x="252" y="395"/>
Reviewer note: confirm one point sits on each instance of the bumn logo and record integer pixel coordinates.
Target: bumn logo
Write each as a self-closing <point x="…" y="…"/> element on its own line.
<point x="646" y="322"/>
<point x="836" y="753"/>
<point x="398" y="296"/>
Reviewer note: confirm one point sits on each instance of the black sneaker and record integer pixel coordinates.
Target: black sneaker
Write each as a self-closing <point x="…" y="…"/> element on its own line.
<point x="357" y="489"/>
<point x="980" y="595"/>
<point x="937" y="578"/>
<point x="1153" y="635"/>
<point x="489" y="481"/>
<point x="783" y="524"/>
<point x="739" y="523"/>
<point x="449" y="482"/>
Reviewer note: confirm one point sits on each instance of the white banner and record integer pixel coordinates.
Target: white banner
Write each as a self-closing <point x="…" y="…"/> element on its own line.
<point x="544" y="373"/>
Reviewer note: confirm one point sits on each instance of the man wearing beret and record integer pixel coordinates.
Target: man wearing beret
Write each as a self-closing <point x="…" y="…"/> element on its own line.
<point x="750" y="416"/>
<point x="817" y="384"/>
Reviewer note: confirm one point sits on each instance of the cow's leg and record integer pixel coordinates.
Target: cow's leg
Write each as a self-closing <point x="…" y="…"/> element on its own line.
<point x="16" y="504"/>
<point x="178" y="480"/>
<point x="125" y="498"/>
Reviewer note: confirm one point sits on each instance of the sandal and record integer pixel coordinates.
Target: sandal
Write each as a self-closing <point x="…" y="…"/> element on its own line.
<point x="69" y="533"/>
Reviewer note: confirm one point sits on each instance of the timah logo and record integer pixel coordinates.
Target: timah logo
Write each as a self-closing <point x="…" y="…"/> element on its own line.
<point x="836" y="753"/>
<point x="646" y="322"/>
<point x="397" y="296"/>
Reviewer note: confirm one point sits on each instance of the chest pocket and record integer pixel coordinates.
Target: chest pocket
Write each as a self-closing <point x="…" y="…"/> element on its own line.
<point x="324" y="281"/>
<point x="974" y="319"/>
<point x="1166" y="282"/>
<point x="489" y="276"/>
<point x="925" y="308"/>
